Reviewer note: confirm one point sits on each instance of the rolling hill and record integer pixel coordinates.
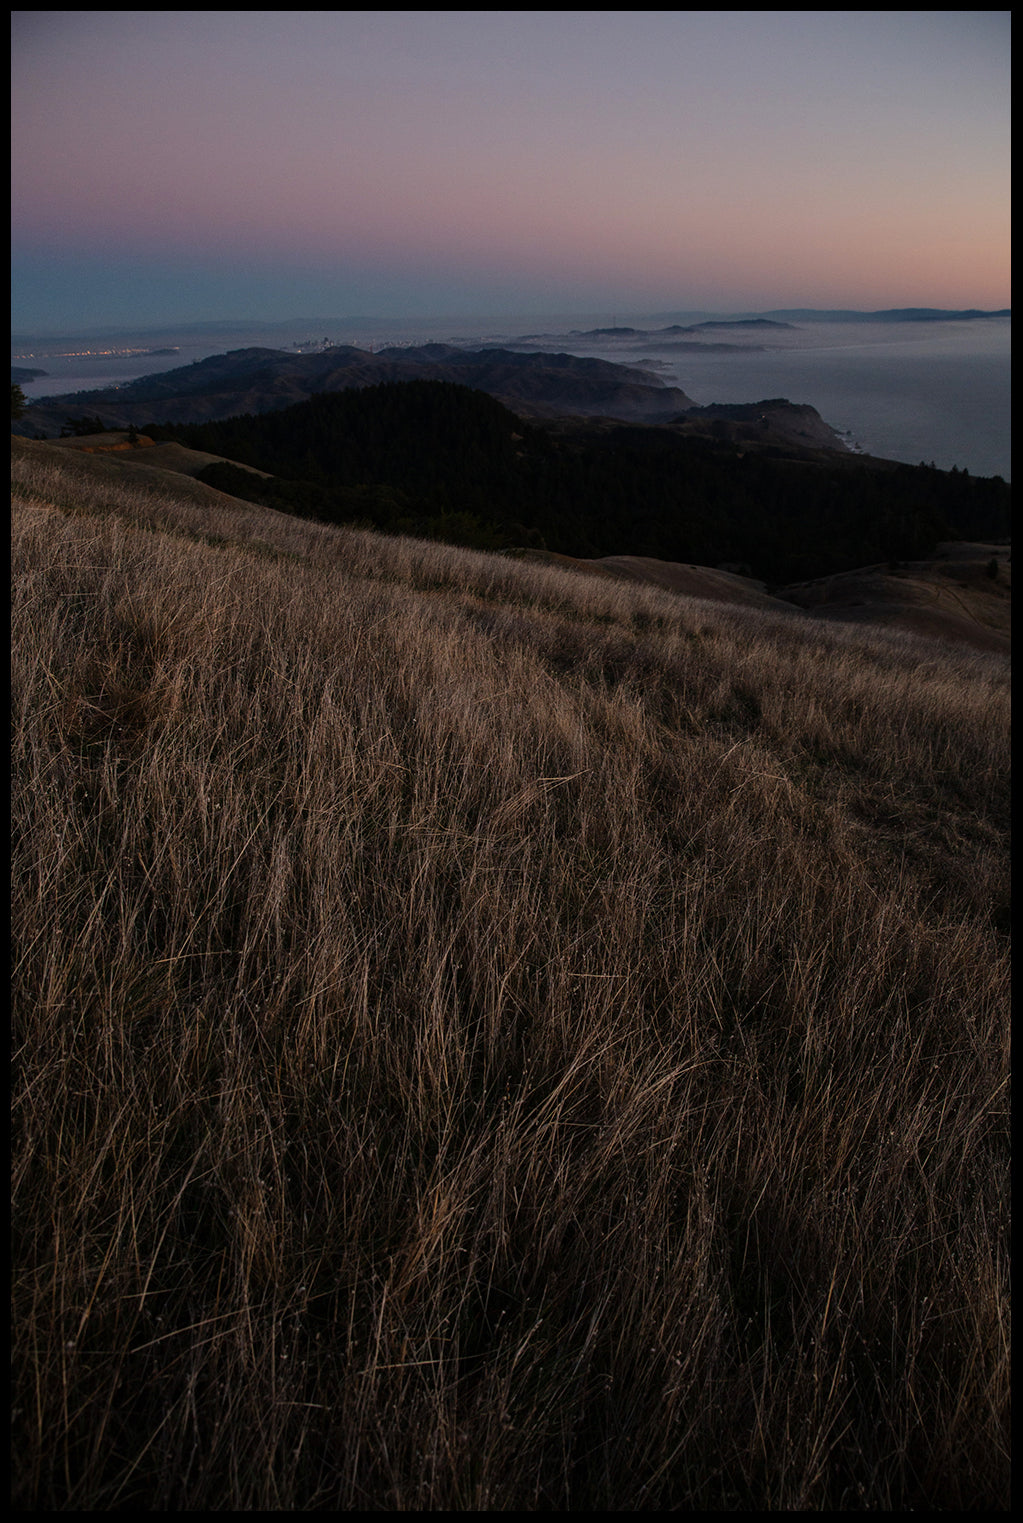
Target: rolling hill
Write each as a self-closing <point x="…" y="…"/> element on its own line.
<point x="962" y="593"/>
<point x="263" y="380"/>
<point x="753" y="490"/>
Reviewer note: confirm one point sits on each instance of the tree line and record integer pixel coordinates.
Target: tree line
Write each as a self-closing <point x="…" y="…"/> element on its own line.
<point x="443" y="461"/>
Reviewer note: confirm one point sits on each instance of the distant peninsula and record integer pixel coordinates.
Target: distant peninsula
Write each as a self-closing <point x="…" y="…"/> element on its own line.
<point x="616" y="332"/>
<point x="889" y="315"/>
<point x="257" y="380"/>
<point x="20" y="373"/>
<point x="738" y="322"/>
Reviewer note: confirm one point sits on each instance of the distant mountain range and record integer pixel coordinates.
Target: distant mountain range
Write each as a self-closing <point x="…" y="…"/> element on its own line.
<point x="249" y="329"/>
<point x="731" y="322"/>
<point x="890" y="315"/>
<point x="260" y="380"/>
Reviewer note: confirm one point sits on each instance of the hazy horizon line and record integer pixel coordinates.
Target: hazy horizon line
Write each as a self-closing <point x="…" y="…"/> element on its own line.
<point x="227" y="324"/>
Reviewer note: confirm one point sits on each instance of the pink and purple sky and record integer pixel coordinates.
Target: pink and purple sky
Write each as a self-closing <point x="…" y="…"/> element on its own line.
<point x="185" y="166"/>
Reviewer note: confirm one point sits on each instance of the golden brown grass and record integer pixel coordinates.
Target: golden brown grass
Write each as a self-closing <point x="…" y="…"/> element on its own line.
<point x="491" y="1039"/>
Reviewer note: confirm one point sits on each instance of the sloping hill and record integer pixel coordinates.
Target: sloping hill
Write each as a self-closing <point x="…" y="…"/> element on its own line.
<point x="491" y="1039"/>
<point x="74" y="467"/>
<point x="263" y="380"/>
<point x="963" y="594"/>
<point x="704" y="582"/>
<point x="139" y="451"/>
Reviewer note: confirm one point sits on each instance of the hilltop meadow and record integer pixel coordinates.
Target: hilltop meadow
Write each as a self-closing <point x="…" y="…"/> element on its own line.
<point x="489" y="1037"/>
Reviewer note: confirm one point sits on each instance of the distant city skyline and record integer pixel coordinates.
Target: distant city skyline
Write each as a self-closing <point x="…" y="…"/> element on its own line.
<point x="182" y="166"/>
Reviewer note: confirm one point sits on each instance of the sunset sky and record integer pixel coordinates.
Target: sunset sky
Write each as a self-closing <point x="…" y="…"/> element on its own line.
<point x="177" y="166"/>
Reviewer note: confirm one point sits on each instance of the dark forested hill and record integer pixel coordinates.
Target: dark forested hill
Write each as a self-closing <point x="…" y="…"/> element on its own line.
<point x="263" y="380"/>
<point x="443" y="461"/>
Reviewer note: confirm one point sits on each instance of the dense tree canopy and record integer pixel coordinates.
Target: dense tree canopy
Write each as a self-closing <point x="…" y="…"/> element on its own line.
<point x="440" y="460"/>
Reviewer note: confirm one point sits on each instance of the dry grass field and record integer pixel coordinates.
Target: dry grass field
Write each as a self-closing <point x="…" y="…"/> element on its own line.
<point x="488" y="1038"/>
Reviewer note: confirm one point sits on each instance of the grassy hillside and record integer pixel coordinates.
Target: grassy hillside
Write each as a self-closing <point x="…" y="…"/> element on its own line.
<point x="490" y="1038"/>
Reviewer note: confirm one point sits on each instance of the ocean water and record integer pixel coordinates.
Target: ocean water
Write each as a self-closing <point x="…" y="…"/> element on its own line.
<point x="931" y="391"/>
<point x="912" y="391"/>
